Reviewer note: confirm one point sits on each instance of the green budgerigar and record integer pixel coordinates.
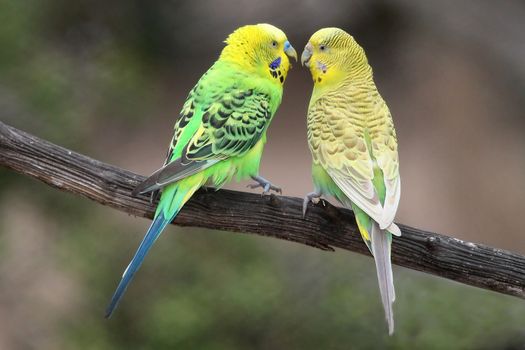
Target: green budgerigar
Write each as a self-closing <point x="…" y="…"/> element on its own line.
<point x="221" y="130"/>
<point x="354" y="146"/>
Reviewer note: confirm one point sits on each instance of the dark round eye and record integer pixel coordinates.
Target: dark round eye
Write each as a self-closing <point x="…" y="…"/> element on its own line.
<point x="322" y="47"/>
<point x="274" y="43"/>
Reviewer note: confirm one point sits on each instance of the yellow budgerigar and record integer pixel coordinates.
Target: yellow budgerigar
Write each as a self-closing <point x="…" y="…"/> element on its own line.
<point x="354" y="146"/>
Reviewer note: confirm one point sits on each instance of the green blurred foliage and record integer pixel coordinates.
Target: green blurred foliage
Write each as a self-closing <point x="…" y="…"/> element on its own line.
<point x="67" y="67"/>
<point x="63" y="68"/>
<point x="208" y="290"/>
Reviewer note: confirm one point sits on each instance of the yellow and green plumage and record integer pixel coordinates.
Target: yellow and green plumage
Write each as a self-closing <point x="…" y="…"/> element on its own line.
<point x="221" y="130"/>
<point x="353" y="143"/>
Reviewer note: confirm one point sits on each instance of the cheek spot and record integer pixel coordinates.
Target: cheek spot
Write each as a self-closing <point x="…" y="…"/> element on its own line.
<point x="275" y="63"/>
<point x="322" y="67"/>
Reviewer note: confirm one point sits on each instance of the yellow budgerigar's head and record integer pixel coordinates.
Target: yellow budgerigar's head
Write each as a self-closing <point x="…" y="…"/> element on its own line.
<point x="332" y="54"/>
<point x="262" y="48"/>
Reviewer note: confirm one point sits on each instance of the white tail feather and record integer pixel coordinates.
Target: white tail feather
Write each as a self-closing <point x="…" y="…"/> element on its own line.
<point x="394" y="229"/>
<point x="381" y="241"/>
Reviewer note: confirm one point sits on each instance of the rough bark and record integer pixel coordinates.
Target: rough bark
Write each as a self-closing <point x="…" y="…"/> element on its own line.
<point x="325" y="226"/>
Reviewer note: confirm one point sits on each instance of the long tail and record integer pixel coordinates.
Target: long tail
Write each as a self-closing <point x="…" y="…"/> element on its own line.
<point x="381" y="243"/>
<point x="172" y="200"/>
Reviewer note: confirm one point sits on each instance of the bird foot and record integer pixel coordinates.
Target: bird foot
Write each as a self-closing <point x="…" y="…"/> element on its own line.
<point x="266" y="185"/>
<point x="313" y="197"/>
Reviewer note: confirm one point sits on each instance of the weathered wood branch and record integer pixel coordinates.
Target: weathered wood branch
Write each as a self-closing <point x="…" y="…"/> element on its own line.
<point x="325" y="227"/>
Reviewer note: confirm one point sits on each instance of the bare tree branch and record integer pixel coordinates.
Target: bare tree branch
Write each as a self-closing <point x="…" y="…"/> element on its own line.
<point x="325" y="227"/>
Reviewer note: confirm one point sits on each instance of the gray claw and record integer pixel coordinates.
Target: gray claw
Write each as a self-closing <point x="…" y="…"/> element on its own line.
<point x="306" y="200"/>
<point x="266" y="185"/>
<point x="310" y="197"/>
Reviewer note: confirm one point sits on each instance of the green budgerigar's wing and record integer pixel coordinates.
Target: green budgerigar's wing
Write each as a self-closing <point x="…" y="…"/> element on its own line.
<point x="230" y="127"/>
<point x="222" y="117"/>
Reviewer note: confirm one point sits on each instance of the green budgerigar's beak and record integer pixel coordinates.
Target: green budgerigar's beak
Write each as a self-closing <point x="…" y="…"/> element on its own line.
<point x="289" y="50"/>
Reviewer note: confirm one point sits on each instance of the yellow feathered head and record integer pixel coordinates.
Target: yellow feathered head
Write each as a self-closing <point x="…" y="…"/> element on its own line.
<point x="333" y="54"/>
<point x="262" y="48"/>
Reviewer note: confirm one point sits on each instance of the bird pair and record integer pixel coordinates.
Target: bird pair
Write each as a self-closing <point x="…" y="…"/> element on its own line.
<point x="221" y="131"/>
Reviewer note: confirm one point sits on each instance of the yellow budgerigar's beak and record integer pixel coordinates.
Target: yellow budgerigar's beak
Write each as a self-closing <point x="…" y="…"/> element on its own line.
<point x="307" y="54"/>
<point x="289" y="50"/>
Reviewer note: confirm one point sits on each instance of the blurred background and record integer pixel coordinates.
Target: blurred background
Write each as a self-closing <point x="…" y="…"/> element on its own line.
<point x="108" y="78"/>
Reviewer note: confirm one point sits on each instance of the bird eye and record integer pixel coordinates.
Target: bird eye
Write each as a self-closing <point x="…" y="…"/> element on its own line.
<point x="274" y="43"/>
<point x="322" y="47"/>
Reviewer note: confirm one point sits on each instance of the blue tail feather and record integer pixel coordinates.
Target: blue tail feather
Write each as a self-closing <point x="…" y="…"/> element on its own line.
<point x="154" y="231"/>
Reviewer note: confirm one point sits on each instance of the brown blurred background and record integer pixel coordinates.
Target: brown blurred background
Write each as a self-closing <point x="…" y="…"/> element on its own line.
<point x="107" y="79"/>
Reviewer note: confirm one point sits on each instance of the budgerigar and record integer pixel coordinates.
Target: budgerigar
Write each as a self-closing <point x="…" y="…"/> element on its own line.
<point x="221" y="130"/>
<point x="354" y="147"/>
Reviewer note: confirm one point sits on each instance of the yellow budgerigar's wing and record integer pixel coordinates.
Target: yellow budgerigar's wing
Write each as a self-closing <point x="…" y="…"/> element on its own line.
<point x="356" y="145"/>
<point x="384" y="150"/>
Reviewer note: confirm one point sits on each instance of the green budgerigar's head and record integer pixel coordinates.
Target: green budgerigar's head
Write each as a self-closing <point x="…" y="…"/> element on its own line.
<point x="332" y="54"/>
<point x="262" y="48"/>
